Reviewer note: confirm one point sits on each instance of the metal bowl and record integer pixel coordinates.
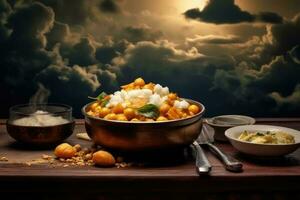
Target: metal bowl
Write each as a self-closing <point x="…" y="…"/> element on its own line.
<point x="40" y="135"/>
<point x="144" y="136"/>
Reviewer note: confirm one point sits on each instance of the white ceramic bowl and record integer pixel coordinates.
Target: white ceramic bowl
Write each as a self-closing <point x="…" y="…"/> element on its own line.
<point x="262" y="149"/>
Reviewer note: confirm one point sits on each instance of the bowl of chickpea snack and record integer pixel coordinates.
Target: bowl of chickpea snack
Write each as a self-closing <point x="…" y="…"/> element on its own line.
<point x="143" y="116"/>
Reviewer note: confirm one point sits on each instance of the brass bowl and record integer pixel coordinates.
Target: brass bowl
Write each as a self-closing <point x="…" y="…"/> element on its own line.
<point x="143" y="136"/>
<point x="40" y="135"/>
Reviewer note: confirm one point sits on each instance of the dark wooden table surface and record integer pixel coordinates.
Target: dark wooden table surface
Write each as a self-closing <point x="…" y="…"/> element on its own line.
<point x="261" y="178"/>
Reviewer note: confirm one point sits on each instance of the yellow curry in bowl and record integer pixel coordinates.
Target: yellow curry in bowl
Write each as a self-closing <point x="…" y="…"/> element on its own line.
<point x="269" y="137"/>
<point x="140" y="101"/>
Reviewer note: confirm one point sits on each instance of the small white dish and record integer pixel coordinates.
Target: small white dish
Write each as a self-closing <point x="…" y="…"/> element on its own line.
<point x="223" y="122"/>
<point x="265" y="150"/>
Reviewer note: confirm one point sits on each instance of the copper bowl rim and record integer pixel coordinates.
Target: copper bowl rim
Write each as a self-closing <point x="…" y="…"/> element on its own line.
<point x="147" y="122"/>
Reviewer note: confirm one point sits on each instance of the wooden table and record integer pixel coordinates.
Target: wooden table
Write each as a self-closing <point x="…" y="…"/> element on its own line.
<point x="260" y="178"/>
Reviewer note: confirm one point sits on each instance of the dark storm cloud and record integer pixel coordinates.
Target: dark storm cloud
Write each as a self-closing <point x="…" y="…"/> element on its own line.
<point x="5" y="11"/>
<point x="68" y="85"/>
<point x="279" y="79"/>
<point x="274" y="76"/>
<point x="58" y="34"/>
<point x="110" y="50"/>
<point x="72" y="85"/>
<point x="79" y="12"/>
<point x="42" y="45"/>
<point x="81" y="53"/>
<point x="29" y="24"/>
<point x="279" y="39"/>
<point x="285" y="36"/>
<point x="220" y="12"/>
<point x="288" y="104"/>
<point x="226" y="12"/>
<point x="203" y="78"/>
<point x="109" y="6"/>
<point x="269" y="17"/>
<point x="22" y="53"/>
<point x="184" y="71"/>
<point x="72" y="12"/>
<point x="31" y="53"/>
<point x="246" y="86"/>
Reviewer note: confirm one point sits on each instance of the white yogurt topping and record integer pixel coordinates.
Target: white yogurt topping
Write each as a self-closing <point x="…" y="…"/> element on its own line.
<point x="181" y="104"/>
<point x="157" y="97"/>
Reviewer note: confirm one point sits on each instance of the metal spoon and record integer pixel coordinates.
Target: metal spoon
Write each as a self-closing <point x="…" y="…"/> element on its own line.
<point x="230" y="163"/>
<point x="203" y="166"/>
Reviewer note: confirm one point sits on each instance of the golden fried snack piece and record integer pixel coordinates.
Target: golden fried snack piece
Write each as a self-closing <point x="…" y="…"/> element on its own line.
<point x="103" y="159"/>
<point x="65" y="150"/>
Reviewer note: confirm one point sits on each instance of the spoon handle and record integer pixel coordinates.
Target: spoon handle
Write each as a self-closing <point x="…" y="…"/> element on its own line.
<point x="231" y="164"/>
<point x="202" y="164"/>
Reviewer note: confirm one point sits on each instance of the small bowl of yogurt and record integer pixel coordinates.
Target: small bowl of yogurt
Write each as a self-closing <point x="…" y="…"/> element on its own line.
<point x="40" y="124"/>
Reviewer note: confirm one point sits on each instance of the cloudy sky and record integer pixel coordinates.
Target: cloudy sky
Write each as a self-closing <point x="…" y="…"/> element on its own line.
<point x="236" y="57"/>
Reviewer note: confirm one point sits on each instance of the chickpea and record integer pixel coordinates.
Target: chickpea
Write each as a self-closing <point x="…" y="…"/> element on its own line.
<point x="139" y="82"/>
<point x="172" y="96"/>
<point x="90" y="113"/>
<point x="164" y="108"/>
<point x="121" y="117"/>
<point x="129" y="113"/>
<point x="103" y="158"/>
<point x="97" y="109"/>
<point x="161" y="118"/>
<point x="103" y="112"/>
<point x="118" y="109"/>
<point x="149" y="86"/>
<point x="170" y="102"/>
<point x="64" y="150"/>
<point x="94" y="106"/>
<point x="173" y="113"/>
<point x="111" y="116"/>
<point x="194" y="109"/>
<point x="184" y="115"/>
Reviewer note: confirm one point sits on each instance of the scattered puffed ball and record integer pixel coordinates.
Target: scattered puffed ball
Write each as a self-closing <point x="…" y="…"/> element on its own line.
<point x="64" y="150"/>
<point x="103" y="159"/>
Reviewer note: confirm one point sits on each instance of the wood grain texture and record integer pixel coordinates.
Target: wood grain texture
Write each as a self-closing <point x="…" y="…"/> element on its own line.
<point x="262" y="176"/>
